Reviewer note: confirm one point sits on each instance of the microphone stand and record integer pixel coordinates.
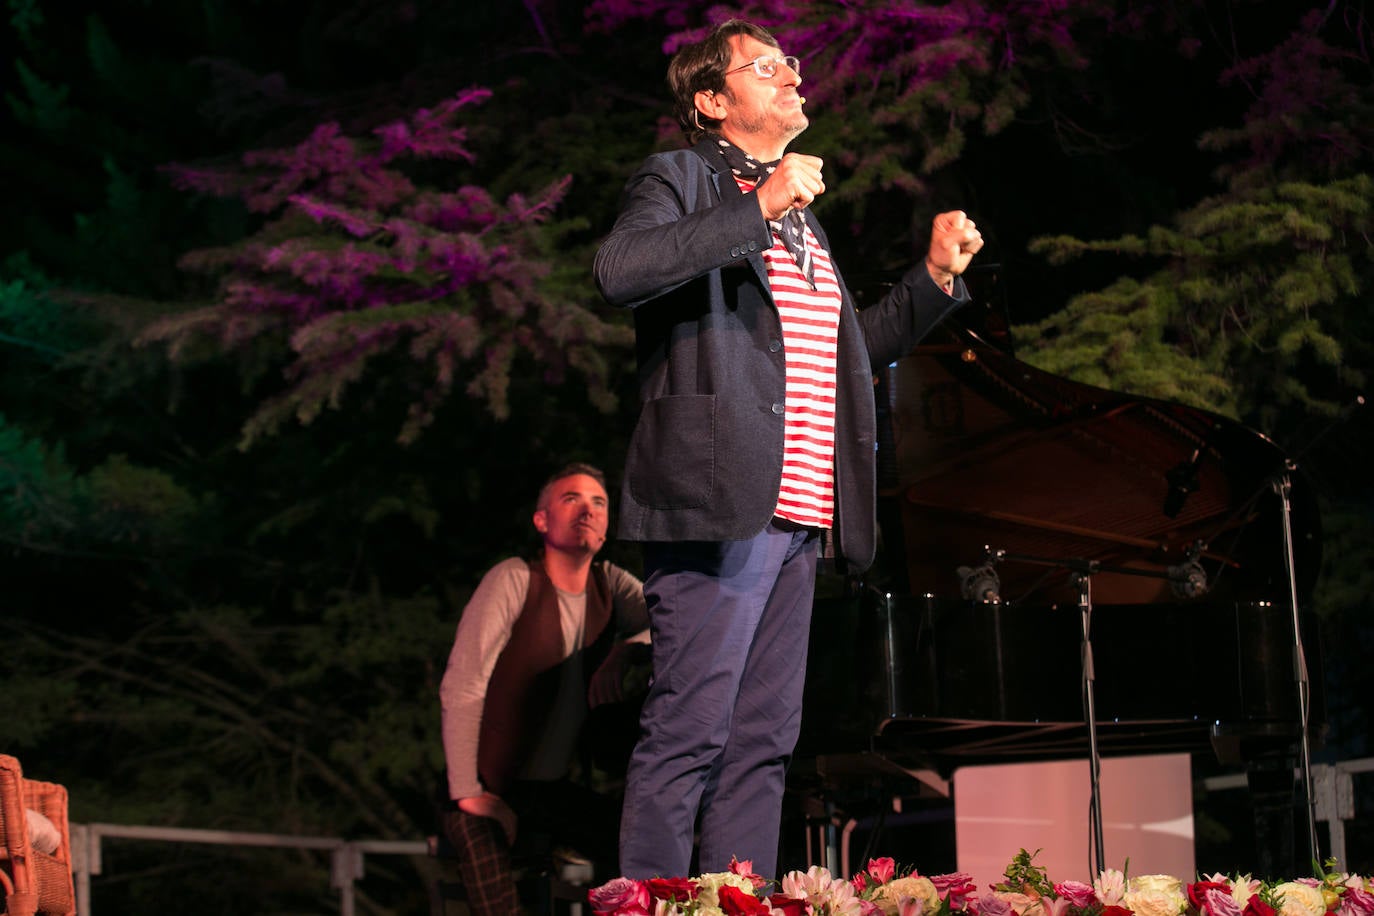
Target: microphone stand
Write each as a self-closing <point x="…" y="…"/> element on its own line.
<point x="1085" y="609"/>
<point x="1083" y="571"/>
<point x="1283" y="484"/>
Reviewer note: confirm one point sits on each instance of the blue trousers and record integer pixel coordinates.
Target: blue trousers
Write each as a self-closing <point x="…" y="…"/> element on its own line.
<point x="730" y="623"/>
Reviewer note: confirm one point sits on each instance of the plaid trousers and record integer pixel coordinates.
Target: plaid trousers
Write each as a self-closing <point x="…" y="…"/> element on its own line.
<point x="484" y="863"/>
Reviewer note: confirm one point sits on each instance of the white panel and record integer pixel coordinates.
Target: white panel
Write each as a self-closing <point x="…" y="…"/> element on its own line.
<point x="1147" y="812"/>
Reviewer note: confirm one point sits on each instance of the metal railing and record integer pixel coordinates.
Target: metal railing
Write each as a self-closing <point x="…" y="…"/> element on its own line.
<point x="346" y="856"/>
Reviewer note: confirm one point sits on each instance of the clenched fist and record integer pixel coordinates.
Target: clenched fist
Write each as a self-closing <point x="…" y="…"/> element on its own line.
<point x="794" y="184"/>
<point x="954" y="240"/>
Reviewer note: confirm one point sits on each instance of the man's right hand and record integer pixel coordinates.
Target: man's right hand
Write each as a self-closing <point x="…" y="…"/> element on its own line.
<point x="488" y="804"/>
<point x="794" y="184"/>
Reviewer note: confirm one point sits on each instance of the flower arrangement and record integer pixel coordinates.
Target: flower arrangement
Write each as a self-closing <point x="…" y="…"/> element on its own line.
<point x="882" y="889"/>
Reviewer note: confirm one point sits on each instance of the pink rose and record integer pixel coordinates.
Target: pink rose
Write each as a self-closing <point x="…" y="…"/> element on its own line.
<point x="1217" y="901"/>
<point x="1078" y="894"/>
<point x="1356" y="902"/>
<point x="992" y="905"/>
<point x="620" y="897"/>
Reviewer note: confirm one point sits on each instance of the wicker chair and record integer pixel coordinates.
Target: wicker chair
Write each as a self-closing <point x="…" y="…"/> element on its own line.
<point x="33" y="882"/>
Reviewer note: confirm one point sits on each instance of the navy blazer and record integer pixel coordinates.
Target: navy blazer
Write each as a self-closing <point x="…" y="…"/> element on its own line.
<point x="705" y="459"/>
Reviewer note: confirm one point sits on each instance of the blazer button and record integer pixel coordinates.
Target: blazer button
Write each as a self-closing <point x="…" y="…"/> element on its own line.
<point x="734" y="251"/>
<point x="753" y="246"/>
<point x="774" y="346"/>
<point x="777" y="409"/>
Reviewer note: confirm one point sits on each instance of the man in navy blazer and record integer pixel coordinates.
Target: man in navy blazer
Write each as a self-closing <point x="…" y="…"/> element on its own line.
<point x="757" y="431"/>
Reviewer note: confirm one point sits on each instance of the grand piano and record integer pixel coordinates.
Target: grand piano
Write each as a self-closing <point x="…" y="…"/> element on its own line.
<point x="1009" y="498"/>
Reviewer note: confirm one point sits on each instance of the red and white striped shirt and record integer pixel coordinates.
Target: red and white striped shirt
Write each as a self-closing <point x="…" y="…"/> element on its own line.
<point x="810" y="322"/>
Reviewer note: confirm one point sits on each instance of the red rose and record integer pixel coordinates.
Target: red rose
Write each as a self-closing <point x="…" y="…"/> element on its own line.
<point x="1115" y="910"/>
<point x="1257" y="907"/>
<point x="672" y="889"/>
<point x="735" y="902"/>
<point x="788" y="906"/>
<point x="957" y="890"/>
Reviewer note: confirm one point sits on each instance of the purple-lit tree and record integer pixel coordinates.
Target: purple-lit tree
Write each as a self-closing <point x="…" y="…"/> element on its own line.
<point x="356" y="259"/>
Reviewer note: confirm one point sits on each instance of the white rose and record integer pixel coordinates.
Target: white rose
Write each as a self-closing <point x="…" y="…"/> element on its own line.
<point x="891" y="894"/>
<point x="1301" y="899"/>
<point x="1155" y="895"/>
<point x="1167" y="884"/>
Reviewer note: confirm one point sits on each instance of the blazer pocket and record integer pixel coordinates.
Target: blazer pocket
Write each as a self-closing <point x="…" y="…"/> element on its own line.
<point x="672" y="459"/>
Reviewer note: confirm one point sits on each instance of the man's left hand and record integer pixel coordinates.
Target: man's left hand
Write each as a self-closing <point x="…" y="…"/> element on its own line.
<point x="954" y="240"/>
<point x="608" y="681"/>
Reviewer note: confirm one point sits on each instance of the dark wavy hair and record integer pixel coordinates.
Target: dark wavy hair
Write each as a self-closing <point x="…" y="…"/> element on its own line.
<point x="701" y="67"/>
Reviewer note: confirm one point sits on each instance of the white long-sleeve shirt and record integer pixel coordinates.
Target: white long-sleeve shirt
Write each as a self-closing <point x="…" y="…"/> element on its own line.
<point x="483" y="631"/>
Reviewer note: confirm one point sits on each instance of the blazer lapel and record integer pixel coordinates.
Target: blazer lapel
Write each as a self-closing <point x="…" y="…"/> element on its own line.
<point x="725" y="184"/>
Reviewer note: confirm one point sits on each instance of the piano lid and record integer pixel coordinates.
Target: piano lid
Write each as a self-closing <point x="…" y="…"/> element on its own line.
<point x="987" y="451"/>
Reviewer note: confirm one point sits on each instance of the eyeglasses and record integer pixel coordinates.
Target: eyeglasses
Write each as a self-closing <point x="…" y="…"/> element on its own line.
<point x="766" y="66"/>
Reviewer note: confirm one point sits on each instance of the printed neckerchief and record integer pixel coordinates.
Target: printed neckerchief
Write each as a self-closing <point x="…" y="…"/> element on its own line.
<point x="792" y="227"/>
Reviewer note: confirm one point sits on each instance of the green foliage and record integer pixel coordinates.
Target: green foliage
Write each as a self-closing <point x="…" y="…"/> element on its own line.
<point x="1119" y="338"/>
<point x="41" y="495"/>
<point x="1347" y="579"/>
<point x="1023" y="876"/>
<point x="1251" y="282"/>
<point x="44" y="106"/>
<point x="49" y="507"/>
<point x="28" y="320"/>
<point x="136" y="503"/>
<point x="26" y="16"/>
